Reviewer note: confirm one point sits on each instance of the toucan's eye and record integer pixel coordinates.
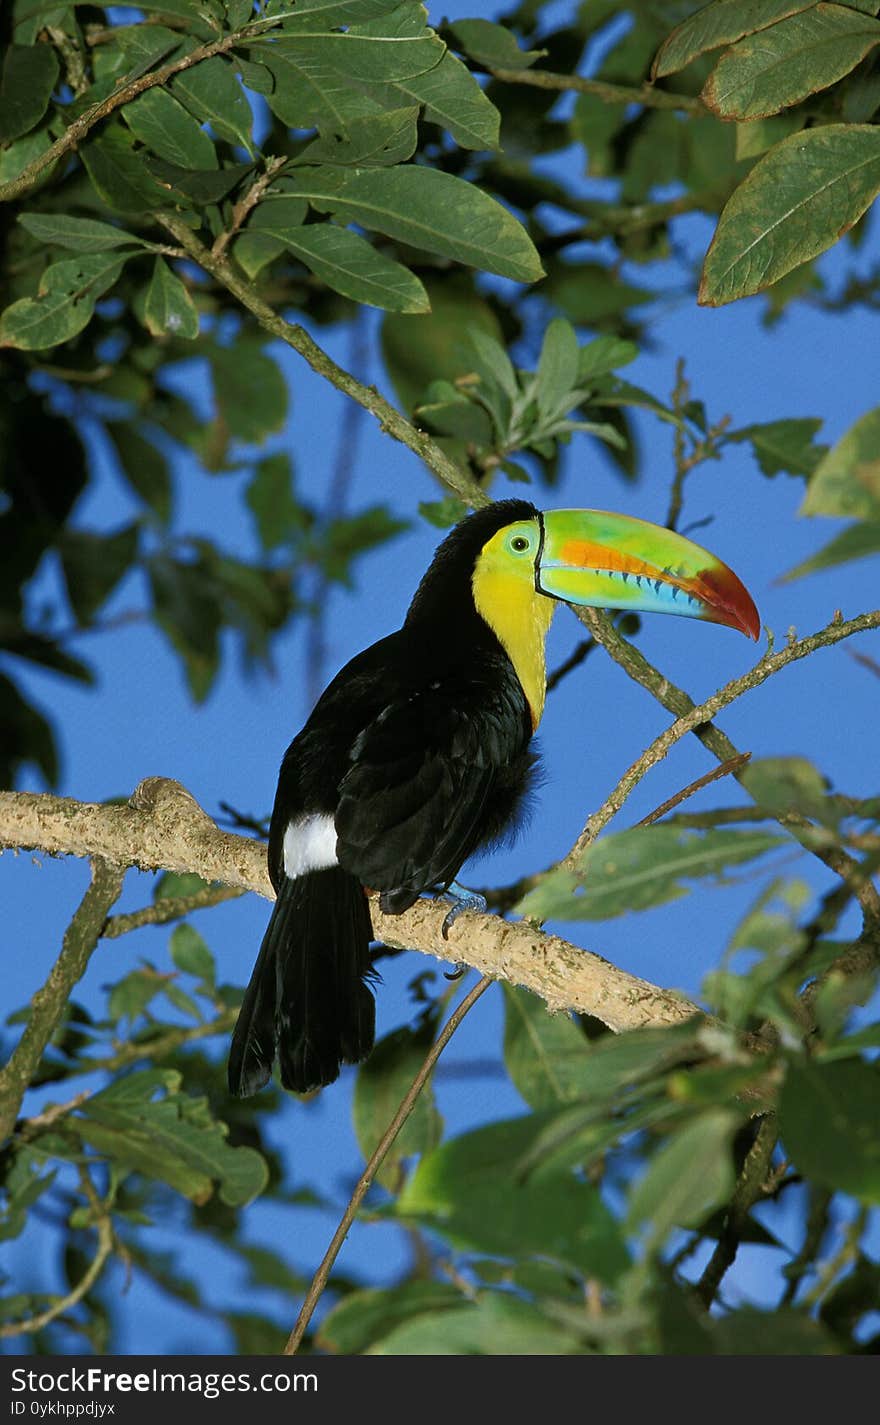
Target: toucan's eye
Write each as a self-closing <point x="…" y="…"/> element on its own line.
<point x="519" y="543"/>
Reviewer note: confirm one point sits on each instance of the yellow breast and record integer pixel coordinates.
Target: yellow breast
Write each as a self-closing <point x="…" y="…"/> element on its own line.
<point x="519" y="617"/>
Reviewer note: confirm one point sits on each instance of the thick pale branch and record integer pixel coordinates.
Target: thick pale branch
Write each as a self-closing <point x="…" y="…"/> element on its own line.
<point x="164" y="828"/>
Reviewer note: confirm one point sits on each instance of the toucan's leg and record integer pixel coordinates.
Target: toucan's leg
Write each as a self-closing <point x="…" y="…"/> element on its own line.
<point x="462" y="899"/>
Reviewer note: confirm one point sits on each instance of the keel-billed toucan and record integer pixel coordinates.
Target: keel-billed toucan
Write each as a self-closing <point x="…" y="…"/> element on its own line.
<point x="419" y="752"/>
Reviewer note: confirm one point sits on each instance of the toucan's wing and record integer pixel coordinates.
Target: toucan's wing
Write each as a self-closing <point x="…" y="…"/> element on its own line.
<point x="412" y="802"/>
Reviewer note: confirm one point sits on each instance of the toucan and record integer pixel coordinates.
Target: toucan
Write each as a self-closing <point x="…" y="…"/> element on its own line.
<point x="420" y="752"/>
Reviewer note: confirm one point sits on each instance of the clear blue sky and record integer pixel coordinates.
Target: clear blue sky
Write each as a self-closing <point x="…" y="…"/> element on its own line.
<point x="140" y="722"/>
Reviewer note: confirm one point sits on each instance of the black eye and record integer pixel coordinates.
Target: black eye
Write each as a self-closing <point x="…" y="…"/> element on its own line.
<point x="519" y="543"/>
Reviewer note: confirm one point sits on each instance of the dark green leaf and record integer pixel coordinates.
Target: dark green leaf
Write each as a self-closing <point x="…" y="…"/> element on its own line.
<point x="347" y="263"/>
<point x="439" y="213"/>
<point x="467" y="1189"/>
<point x="378" y="141"/>
<point x="846" y="482"/>
<point x="211" y="91"/>
<point x="190" y="954"/>
<point x="165" y="127"/>
<point x="782" y="1332"/>
<point x="788" y="61"/>
<point x="250" y="392"/>
<point x="720" y="23"/>
<point x="64" y="305"/>
<point x="118" y="172"/>
<point x="271" y="500"/>
<point x="690" y="1176"/>
<point x="604" y="354"/>
<point x="207" y="185"/>
<point x="784" y="445"/>
<point x="453" y="99"/>
<point x="795" y="203"/>
<point x="546" y="1054"/>
<point x="187" y="609"/>
<point x="828" y="1114"/>
<point x="419" y="350"/>
<point x="84" y="235"/>
<point x="172" y="885"/>
<point x="173" y="1138"/>
<point x="492" y="45"/>
<point x="351" y="535"/>
<point x="632" y="870"/>
<point x="144" y="467"/>
<point x="394" y="47"/>
<point x="93" y="565"/>
<point x="496" y="1324"/>
<point x="169" y="309"/>
<point x="382" y="1081"/>
<point x="364" y="1317"/>
<point x="26" y="83"/>
<point x="856" y="542"/>
<point x="443" y="514"/>
<point x="130" y="996"/>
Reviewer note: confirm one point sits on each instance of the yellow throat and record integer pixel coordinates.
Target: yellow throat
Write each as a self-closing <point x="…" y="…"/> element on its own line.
<point x="506" y="599"/>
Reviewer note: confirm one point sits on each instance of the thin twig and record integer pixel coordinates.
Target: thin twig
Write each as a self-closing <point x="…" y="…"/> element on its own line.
<point x="733" y="764"/>
<point x="749" y="1190"/>
<point x="407" y="1105"/>
<point x="390" y="420"/>
<point x="817" y="1226"/>
<point x="104" y="1227"/>
<point x="48" y="1004"/>
<point x="171" y="908"/>
<point x="646" y="94"/>
<point x="246" y="204"/>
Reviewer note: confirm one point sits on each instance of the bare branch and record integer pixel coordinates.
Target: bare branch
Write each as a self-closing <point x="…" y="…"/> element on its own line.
<point x="645" y="94"/>
<point x="407" y="1105"/>
<point x="164" y="828"/>
<point x="47" y="1006"/>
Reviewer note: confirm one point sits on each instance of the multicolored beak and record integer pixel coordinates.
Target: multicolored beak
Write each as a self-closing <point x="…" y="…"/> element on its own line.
<point x="610" y="561"/>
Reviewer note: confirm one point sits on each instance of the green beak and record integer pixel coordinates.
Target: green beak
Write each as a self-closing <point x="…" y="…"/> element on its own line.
<point x="610" y="561"/>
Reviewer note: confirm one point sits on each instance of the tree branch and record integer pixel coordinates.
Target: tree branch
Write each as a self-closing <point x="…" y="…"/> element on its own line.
<point x="390" y="420"/>
<point x="47" y="1006"/>
<point x="697" y="719"/>
<point x="164" y="828"/>
<point x="406" y="1107"/>
<point x="645" y="94"/>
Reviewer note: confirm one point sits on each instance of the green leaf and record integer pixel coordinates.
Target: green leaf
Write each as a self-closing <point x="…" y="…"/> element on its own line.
<point x="346" y="262"/>
<point x="788" y="61"/>
<point x="271" y="500"/>
<point x="557" y="374"/>
<point x="118" y="172"/>
<point x="782" y="785"/>
<point x="795" y="203"/>
<point x="186" y="609"/>
<point x="329" y="12"/>
<point x="84" y="235"/>
<point x="687" y="1179"/>
<point x="781" y="1332"/>
<point x="64" y="305"/>
<point x="603" y="355"/>
<point x="24" y="1183"/>
<point x="448" y="411"/>
<point x="381" y="1083"/>
<point x="467" y="1189"/>
<point x="173" y="1138"/>
<point x="93" y="565"/>
<point x="856" y="542"/>
<point x="496" y="1324"/>
<point x="418" y="350"/>
<point x="846" y="481"/>
<point x="453" y="99"/>
<point x="377" y="142"/>
<point x="173" y="885"/>
<point x="396" y="46"/>
<point x="205" y="185"/>
<point x="492" y="45"/>
<point x="165" y="127"/>
<point x="309" y="94"/>
<point x="169" y="309"/>
<point x="351" y="535"/>
<point x="130" y="996"/>
<point x="363" y="1318"/>
<point x="787" y="445"/>
<point x="443" y="514"/>
<point x="721" y="23"/>
<point x="828" y="1115"/>
<point x="632" y="870"/>
<point x="26" y="83"/>
<point x="438" y="213"/>
<point x="211" y="91"/>
<point x="250" y="392"/>
<point x="144" y="467"/>
<point x="545" y="1054"/>
<point x="190" y="954"/>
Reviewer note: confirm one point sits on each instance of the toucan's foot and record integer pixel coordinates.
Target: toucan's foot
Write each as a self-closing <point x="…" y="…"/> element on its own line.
<point x="462" y="899"/>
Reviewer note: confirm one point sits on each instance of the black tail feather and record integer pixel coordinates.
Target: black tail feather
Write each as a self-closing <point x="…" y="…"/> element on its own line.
<point x="308" y="999"/>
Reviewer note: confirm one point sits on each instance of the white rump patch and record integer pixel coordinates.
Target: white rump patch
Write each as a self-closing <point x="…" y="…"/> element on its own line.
<point x="309" y="844"/>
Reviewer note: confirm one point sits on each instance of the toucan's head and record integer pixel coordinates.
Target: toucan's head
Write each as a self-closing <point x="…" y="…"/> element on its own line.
<point x="511" y="562"/>
<point x="608" y="561"/>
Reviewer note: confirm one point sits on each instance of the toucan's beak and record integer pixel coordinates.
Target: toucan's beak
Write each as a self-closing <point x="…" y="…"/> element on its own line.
<point x="611" y="561"/>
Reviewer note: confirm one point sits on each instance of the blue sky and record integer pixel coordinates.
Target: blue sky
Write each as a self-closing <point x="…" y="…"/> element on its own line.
<point x="140" y="722"/>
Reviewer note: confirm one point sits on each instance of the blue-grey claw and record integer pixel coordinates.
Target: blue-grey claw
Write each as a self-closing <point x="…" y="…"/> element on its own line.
<point x="462" y="899"/>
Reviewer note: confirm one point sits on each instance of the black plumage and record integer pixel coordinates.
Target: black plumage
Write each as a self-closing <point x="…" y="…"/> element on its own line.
<point x="419" y="750"/>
